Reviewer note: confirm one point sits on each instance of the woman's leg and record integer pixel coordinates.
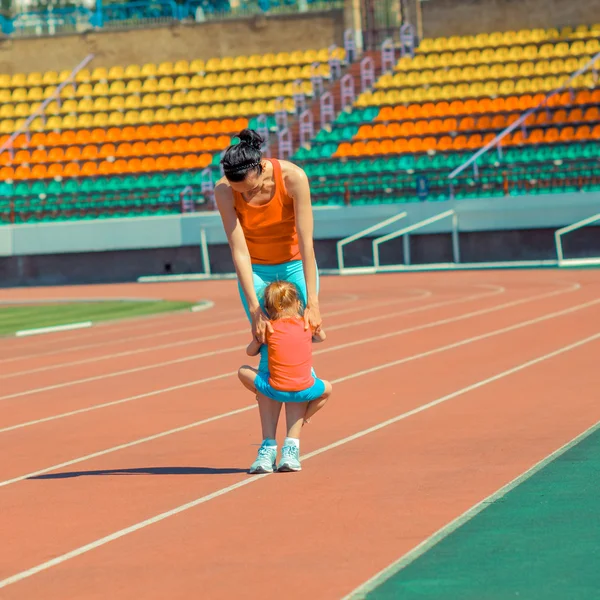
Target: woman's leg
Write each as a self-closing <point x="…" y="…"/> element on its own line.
<point x="290" y="452"/>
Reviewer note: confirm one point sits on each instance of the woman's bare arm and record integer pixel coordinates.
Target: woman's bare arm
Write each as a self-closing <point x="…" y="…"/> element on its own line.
<point x="241" y="257"/>
<point x="298" y="187"/>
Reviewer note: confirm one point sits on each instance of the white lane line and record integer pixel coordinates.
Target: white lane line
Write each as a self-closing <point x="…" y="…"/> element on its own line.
<point x="53" y="329"/>
<point x="106" y="325"/>
<point x="203" y="499"/>
<point x="369" y="371"/>
<point x="210" y="353"/>
<point x="361" y="592"/>
<point x="422" y="294"/>
<point x="209" y="379"/>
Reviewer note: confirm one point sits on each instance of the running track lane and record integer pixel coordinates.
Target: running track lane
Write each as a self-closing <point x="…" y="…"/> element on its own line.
<point x="570" y="328"/>
<point x="118" y="423"/>
<point x="162" y="370"/>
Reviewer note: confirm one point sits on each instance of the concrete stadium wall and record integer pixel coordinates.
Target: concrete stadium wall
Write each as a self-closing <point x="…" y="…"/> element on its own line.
<point x="179" y="41"/>
<point x="469" y="17"/>
<point x="119" y="250"/>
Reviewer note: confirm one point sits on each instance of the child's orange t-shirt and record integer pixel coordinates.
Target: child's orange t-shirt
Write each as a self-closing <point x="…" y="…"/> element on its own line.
<point x="290" y="355"/>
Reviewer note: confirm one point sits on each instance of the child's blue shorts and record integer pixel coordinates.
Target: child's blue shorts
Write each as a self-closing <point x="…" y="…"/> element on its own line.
<point x="262" y="385"/>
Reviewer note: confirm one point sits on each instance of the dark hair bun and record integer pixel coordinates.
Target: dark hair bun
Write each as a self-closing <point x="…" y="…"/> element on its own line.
<point x="251" y="138"/>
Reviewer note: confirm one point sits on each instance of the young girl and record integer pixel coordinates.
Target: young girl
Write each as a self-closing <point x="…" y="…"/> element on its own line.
<point x="290" y="379"/>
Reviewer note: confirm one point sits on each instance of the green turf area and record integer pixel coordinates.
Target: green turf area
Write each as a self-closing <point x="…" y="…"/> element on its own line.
<point x="541" y="541"/>
<point x="32" y="316"/>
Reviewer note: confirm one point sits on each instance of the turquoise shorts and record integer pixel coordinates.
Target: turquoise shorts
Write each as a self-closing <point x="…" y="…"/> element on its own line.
<point x="263" y="275"/>
<point x="262" y="385"/>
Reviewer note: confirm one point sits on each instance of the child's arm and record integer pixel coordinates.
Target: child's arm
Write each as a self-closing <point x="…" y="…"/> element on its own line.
<point x="320" y="336"/>
<point x="253" y="348"/>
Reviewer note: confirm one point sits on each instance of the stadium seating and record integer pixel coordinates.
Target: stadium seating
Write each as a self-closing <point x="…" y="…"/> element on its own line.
<point x="454" y="96"/>
<point x="136" y="136"/>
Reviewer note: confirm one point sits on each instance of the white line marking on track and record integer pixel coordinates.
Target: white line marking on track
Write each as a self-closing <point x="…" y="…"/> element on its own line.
<point x="95" y="359"/>
<point x="203" y="499"/>
<point x="369" y="371"/>
<point x="209" y="379"/>
<point x="360" y="592"/>
<point x="53" y="329"/>
<point x="231" y="349"/>
<point x="144" y="323"/>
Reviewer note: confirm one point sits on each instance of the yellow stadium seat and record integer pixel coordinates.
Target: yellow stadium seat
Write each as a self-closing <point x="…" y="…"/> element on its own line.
<point x="189" y="113"/>
<point x="507" y="87"/>
<point x="132" y="72"/>
<point x="149" y="101"/>
<point x="99" y="74"/>
<point x="227" y="64"/>
<point x="166" y="84"/>
<point x="440" y="44"/>
<point x="537" y="36"/>
<point x="5" y="81"/>
<point x="217" y="111"/>
<point x="268" y="60"/>
<point x="116" y="88"/>
<point x="165" y="69"/>
<point x="385" y="81"/>
<point x="235" y="93"/>
<point x="101" y="105"/>
<point x="426" y="46"/>
<point x="473" y="57"/>
<point x="4" y="96"/>
<point x="207" y="96"/>
<point x="418" y="62"/>
<point x="115" y="119"/>
<point x="68" y="106"/>
<point x="7" y="126"/>
<point x="561" y="49"/>
<point x="182" y="83"/>
<point x="526" y="69"/>
<point x="85" y="121"/>
<point x="516" y="53"/>
<point x="255" y="61"/>
<point x="53" y="123"/>
<point x="117" y="103"/>
<point x="491" y="88"/>
<point x="221" y="95"/>
<point x="131" y="117"/>
<point x="322" y="55"/>
<point x="69" y="122"/>
<point x="149" y="85"/>
<point x="495" y="39"/>
<point x="297" y="58"/>
<point x="197" y="66"/>
<point x="53" y="108"/>
<point x="132" y="102"/>
<point x="34" y="79"/>
<point x="85" y="105"/>
<point x="212" y="65"/>
<point x="18" y="80"/>
<point x="460" y="58"/>
<point x="83" y="90"/>
<point x="240" y="63"/>
<point x="83" y="76"/>
<point x="7" y="111"/>
<point x="282" y="59"/>
<point x="197" y="82"/>
<point x="162" y="115"/>
<point x="100" y="120"/>
<point x="522" y="86"/>
<point x="224" y="79"/>
<point x="193" y="97"/>
<point x="19" y="95"/>
<point x="148" y="70"/>
<point x="523" y="36"/>
<point x="181" y="67"/>
<point x="35" y="94"/>
<point x="211" y="80"/>
<point x="509" y="38"/>
<point x="530" y="52"/>
<point x="64" y="75"/>
<point x="67" y="92"/>
<point x="164" y="99"/>
<point x="592" y="46"/>
<point x="511" y="70"/>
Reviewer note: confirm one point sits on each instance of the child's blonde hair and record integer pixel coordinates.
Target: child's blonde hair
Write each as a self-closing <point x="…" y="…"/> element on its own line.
<point x="282" y="300"/>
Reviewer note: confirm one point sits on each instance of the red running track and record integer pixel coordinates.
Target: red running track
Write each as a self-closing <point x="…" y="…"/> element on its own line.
<point x="129" y="443"/>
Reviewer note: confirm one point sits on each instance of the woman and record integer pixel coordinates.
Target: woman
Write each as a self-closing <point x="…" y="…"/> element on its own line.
<point x="267" y="215"/>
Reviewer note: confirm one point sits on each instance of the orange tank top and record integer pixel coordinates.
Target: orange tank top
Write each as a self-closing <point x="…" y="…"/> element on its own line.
<point x="290" y="355"/>
<point x="270" y="229"/>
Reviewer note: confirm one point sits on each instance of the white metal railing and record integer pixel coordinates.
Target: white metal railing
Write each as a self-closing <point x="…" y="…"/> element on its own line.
<point x="406" y="230"/>
<point x="204" y="249"/>
<point x="355" y="236"/>
<point x="559" y="249"/>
